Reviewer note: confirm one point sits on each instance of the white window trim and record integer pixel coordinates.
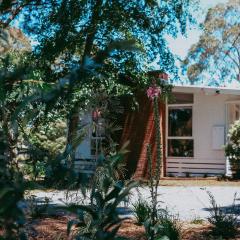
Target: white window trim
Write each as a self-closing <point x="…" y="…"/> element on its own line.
<point x="96" y="139"/>
<point x="190" y="105"/>
<point x="180" y="105"/>
<point x="227" y="128"/>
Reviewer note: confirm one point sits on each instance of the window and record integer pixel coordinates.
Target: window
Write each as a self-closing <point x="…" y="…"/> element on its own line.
<point x="180" y="135"/>
<point x="233" y="113"/>
<point x="180" y="122"/>
<point x="98" y="135"/>
<point x="180" y="147"/>
<point x="93" y="136"/>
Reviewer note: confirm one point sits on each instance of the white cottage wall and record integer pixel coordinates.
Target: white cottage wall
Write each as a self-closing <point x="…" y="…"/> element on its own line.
<point x="209" y="111"/>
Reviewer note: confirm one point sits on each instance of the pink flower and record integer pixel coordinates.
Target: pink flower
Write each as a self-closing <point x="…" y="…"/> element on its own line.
<point x="153" y="91"/>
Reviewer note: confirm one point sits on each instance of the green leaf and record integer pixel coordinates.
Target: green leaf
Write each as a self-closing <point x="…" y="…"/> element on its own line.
<point x="70" y="224"/>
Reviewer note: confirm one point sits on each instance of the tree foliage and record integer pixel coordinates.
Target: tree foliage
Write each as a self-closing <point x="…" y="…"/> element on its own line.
<point x="15" y="83"/>
<point x="232" y="149"/>
<point x="215" y="58"/>
<point x="70" y="33"/>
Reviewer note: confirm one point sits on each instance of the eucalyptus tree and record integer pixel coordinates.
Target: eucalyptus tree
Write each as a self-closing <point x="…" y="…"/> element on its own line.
<point x="216" y="55"/>
<point x="70" y="33"/>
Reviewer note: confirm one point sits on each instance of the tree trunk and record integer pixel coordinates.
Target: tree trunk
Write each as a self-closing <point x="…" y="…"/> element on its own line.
<point x="73" y="124"/>
<point x="73" y="121"/>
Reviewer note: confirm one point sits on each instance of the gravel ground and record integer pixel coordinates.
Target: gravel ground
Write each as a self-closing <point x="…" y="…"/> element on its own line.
<point x="188" y="202"/>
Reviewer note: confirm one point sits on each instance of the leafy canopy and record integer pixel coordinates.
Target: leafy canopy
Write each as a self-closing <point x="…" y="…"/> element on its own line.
<point x="87" y="41"/>
<point x="67" y="28"/>
<point x="215" y="59"/>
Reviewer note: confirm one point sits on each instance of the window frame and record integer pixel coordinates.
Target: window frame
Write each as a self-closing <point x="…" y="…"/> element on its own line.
<point x="176" y="106"/>
<point x="95" y="139"/>
<point x="227" y="118"/>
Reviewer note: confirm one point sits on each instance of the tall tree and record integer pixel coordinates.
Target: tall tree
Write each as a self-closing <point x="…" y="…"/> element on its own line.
<point x="11" y="9"/>
<point x="216" y="56"/>
<point x="80" y="28"/>
<point x="69" y="33"/>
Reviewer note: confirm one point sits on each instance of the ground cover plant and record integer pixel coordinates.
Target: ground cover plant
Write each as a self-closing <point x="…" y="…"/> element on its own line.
<point x="224" y="221"/>
<point x="141" y="210"/>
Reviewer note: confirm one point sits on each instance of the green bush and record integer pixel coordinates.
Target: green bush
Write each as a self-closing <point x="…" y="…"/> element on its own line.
<point x="167" y="227"/>
<point x="44" y="145"/>
<point x="170" y="227"/>
<point x="60" y="173"/>
<point x="37" y="208"/>
<point x="99" y="219"/>
<point x="232" y="149"/>
<point x="141" y="211"/>
<point x="197" y="220"/>
<point x="224" y="223"/>
<point x="12" y="205"/>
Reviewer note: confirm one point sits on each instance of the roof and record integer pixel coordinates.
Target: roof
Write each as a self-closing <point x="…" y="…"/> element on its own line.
<point x="206" y="89"/>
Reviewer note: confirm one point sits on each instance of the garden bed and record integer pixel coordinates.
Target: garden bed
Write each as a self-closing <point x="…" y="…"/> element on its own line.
<point x="55" y="228"/>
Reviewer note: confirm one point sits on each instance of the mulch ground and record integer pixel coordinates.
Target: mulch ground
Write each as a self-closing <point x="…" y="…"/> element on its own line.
<point x="55" y="228"/>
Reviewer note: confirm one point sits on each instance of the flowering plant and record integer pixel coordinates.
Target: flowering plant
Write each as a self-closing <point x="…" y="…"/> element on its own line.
<point x="154" y="173"/>
<point x="153" y="91"/>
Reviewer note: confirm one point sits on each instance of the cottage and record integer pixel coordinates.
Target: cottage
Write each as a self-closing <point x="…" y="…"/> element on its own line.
<point x="194" y="130"/>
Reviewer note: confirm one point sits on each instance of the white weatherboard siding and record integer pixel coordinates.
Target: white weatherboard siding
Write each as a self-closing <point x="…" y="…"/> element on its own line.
<point x="209" y="114"/>
<point x="83" y="159"/>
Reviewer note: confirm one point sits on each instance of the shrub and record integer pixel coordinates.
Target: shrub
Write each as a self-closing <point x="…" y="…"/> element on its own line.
<point x="197" y="220"/>
<point x="167" y="226"/>
<point x="37" y="208"/>
<point x="223" y="177"/>
<point x="141" y="211"/>
<point x="232" y="149"/>
<point x="12" y="217"/>
<point x="170" y="228"/>
<point x="224" y="223"/>
<point x="99" y="220"/>
<point x="60" y="172"/>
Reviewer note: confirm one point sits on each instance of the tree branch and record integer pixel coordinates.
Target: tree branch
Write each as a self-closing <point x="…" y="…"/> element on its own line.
<point x="232" y="58"/>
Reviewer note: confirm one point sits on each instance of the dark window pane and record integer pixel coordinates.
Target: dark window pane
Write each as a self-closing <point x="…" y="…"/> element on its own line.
<point x="93" y="147"/>
<point x="180" y="122"/>
<point x="183" y="98"/>
<point x="180" y="148"/>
